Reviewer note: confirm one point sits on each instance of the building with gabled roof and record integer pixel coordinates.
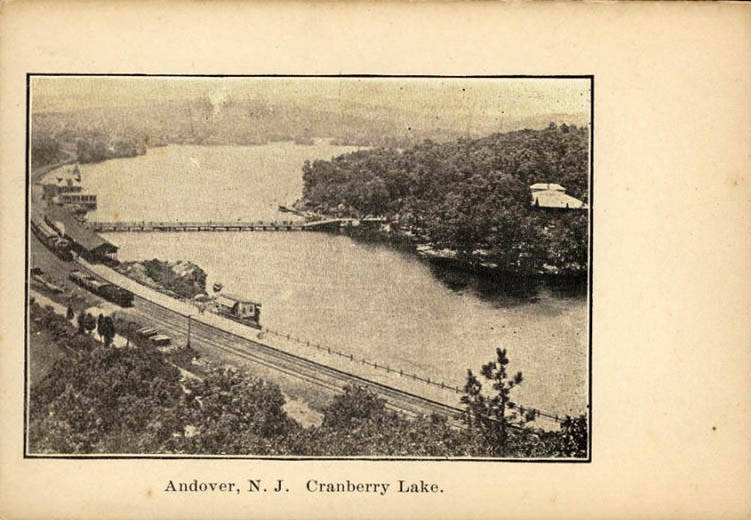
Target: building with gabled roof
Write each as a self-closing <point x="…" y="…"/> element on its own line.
<point x="238" y="307"/>
<point x="553" y="196"/>
<point x="66" y="179"/>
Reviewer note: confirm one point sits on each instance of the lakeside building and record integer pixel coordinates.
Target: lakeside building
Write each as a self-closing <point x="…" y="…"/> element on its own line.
<point x="66" y="179"/>
<point x="63" y="187"/>
<point x="239" y="307"/>
<point x="553" y="196"/>
<point x="85" y="242"/>
<point x="77" y="201"/>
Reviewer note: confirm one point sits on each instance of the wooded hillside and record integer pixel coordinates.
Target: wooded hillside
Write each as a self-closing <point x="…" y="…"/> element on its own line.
<point x="469" y="195"/>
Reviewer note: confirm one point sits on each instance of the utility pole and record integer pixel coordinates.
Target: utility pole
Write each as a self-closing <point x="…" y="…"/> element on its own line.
<point x="190" y="316"/>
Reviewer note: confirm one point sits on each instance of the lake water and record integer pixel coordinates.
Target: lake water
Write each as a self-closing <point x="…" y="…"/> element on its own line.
<point x="363" y="298"/>
<point x="203" y="182"/>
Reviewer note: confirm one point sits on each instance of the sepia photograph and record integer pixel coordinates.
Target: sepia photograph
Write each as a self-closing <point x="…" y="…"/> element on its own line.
<point x="337" y="267"/>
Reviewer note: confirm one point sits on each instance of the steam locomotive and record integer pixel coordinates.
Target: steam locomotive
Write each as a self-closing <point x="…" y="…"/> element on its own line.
<point x="50" y="238"/>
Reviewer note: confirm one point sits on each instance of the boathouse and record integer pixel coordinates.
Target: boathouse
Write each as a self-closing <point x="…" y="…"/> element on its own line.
<point x="239" y="307"/>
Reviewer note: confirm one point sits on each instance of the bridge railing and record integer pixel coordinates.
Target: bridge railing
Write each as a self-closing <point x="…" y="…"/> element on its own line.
<point x="211" y="225"/>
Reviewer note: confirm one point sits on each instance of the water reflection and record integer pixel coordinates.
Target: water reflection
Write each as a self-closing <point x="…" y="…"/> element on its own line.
<point x="506" y="289"/>
<point x="502" y="289"/>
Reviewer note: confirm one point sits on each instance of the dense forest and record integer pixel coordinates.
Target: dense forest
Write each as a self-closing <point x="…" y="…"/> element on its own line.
<point x="471" y="196"/>
<point x="96" y="398"/>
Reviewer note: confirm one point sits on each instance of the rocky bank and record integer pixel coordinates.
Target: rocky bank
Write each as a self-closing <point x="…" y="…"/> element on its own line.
<point x="181" y="278"/>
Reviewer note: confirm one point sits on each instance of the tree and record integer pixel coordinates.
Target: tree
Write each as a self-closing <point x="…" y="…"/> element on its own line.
<point x="572" y="439"/>
<point x="89" y="323"/>
<point x="99" y="324"/>
<point x="355" y="404"/>
<point x="487" y="414"/>
<point x="107" y="330"/>
<point x="81" y="322"/>
<point x="69" y="313"/>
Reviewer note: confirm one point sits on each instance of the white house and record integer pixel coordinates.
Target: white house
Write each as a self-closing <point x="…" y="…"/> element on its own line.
<point x="553" y="196"/>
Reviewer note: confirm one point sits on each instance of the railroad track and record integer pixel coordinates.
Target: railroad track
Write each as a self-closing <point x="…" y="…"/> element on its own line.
<point x="325" y="377"/>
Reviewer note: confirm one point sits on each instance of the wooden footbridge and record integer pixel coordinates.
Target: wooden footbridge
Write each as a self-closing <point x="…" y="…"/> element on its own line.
<point x="331" y="224"/>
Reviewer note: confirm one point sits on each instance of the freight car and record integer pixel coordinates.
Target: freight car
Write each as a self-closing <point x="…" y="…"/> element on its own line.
<point x="108" y="291"/>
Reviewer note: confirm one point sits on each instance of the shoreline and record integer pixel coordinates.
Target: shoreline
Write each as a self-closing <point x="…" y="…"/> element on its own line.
<point x="415" y="242"/>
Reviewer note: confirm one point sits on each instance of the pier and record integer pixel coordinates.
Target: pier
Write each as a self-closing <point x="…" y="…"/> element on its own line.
<point x="332" y="224"/>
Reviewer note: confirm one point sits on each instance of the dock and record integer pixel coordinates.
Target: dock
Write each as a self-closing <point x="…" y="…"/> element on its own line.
<point x="331" y="224"/>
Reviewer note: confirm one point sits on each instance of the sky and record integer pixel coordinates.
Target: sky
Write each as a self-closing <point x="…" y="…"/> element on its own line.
<point x="458" y="98"/>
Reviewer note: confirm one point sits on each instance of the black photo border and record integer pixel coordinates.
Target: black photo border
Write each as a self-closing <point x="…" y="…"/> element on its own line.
<point x="27" y="279"/>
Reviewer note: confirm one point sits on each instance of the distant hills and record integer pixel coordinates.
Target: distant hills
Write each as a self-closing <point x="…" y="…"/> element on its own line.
<point x="247" y="121"/>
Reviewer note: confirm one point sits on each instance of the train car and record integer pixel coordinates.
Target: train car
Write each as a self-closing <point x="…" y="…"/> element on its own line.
<point x="124" y="297"/>
<point x="115" y="294"/>
<point x="96" y="286"/>
<point x="108" y="291"/>
<point x="76" y="277"/>
<point x="147" y="332"/>
<point x="160" y="340"/>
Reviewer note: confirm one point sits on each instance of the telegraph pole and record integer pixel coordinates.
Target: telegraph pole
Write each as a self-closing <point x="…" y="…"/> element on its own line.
<point x="190" y="316"/>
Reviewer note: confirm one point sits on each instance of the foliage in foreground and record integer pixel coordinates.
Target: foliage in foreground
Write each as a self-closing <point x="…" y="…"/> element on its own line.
<point x="100" y="399"/>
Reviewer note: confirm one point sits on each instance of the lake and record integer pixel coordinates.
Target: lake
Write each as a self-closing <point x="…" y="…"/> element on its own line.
<point x="360" y="297"/>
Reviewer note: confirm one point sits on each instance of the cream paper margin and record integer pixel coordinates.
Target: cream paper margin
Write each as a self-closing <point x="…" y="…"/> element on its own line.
<point x="671" y="244"/>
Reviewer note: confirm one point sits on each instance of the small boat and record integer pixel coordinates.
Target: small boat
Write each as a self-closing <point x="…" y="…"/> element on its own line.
<point x="218" y="287"/>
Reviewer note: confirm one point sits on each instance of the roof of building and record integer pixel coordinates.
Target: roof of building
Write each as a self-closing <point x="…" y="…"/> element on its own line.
<point x="230" y="300"/>
<point x="78" y="194"/>
<point x="61" y="176"/>
<point x="556" y="199"/>
<point x="547" y="186"/>
<point x="79" y="234"/>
